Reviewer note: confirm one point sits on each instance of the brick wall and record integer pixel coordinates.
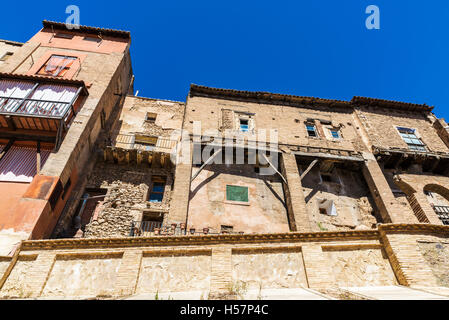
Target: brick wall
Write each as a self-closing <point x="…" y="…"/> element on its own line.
<point x="381" y="124"/>
<point x="221" y="266"/>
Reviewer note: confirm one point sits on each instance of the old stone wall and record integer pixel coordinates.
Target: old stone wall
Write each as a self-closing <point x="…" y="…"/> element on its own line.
<point x="357" y="267"/>
<point x="287" y="121"/>
<point x="411" y="260"/>
<point x="127" y="197"/>
<point x="168" y="116"/>
<point x="350" y="195"/>
<point x="381" y="124"/>
<point x="268" y="269"/>
<point x="229" y="264"/>
<point x="265" y="212"/>
<point x="436" y="254"/>
<point x="8" y="47"/>
<point x="84" y="275"/>
<point x="170" y="272"/>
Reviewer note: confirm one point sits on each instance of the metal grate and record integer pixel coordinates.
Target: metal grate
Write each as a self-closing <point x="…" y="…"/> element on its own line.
<point x="443" y="213"/>
<point x="143" y="228"/>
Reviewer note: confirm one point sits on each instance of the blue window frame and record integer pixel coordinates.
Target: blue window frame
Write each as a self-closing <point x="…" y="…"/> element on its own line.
<point x="244" y="125"/>
<point x="335" y="133"/>
<point x="157" y="191"/>
<point x="311" y="130"/>
<point x="410" y="138"/>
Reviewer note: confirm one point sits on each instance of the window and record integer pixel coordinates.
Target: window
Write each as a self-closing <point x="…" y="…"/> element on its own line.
<point x="57" y="66"/>
<point x="244" y="125"/>
<point x="150" y="221"/>
<point x="335" y="133"/>
<point x="145" y="142"/>
<point x="150" y="117"/>
<point x="410" y="138"/>
<point x="327" y="207"/>
<point x="6" y="56"/>
<point x="326" y="177"/>
<point x="157" y="190"/>
<point x="64" y="35"/>
<point x="237" y="193"/>
<point x="227" y="229"/>
<point x="311" y="130"/>
<point x="92" y="39"/>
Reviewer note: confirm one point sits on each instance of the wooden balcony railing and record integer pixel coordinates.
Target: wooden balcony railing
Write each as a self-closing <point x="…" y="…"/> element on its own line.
<point x="128" y="141"/>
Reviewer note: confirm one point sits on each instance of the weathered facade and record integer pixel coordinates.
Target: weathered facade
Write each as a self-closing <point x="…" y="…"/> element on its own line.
<point x="230" y="194"/>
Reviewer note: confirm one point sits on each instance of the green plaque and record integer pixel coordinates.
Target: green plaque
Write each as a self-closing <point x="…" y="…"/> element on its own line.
<point x="236" y="193"/>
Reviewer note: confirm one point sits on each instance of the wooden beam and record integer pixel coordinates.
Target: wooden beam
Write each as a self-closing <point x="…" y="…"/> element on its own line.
<point x="309" y="168"/>
<point x="10" y="123"/>
<point x="38" y="158"/>
<point x="205" y="164"/>
<point x="6" y="148"/>
<point x="274" y="168"/>
<point x="327" y="156"/>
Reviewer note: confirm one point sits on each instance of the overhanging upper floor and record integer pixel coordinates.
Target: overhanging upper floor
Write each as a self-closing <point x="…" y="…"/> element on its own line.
<point x="38" y="106"/>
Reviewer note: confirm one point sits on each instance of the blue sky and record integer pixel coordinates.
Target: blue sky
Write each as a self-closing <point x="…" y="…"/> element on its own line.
<point x="310" y="48"/>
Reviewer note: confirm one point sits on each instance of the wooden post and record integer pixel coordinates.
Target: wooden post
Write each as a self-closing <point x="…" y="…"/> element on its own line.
<point x="38" y="158"/>
<point x="6" y="148"/>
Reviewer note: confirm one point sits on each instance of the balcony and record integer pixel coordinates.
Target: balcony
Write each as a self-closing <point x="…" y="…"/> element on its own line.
<point x="155" y="228"/>
<point x="140" y="148"/>
<point x="431" y="161"/>
<point x="442" y="213"/>
<point x="33" y="106"/>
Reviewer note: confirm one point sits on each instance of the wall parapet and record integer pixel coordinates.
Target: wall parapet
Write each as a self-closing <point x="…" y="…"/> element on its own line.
<point x="198" y="240"/>
<point x="233" y="238"/>
<point x="323" y="261"/>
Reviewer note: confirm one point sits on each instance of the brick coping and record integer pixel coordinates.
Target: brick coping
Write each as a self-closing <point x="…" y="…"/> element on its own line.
<point x="232" y="239"/>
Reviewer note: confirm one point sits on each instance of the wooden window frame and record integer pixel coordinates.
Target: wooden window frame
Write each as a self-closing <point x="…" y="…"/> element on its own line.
<point x="160" y="181"/>
<point x="63" y="71"/>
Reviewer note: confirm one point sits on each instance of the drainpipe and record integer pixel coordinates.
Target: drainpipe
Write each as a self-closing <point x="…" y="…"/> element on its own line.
<point x="77" y="218"/>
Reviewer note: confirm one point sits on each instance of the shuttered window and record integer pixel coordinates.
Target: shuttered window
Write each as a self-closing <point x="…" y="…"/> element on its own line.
<point x="57" y="66"/>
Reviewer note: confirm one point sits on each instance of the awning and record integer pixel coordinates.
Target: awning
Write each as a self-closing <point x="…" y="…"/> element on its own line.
<point x="19" y="163"/>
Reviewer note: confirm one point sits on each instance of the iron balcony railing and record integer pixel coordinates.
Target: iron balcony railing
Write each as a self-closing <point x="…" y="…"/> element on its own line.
<point x="34" y="107"/>
<point x="144" y="228"/>
<point x="443" y="213"/>
<point x="155" y="228"/>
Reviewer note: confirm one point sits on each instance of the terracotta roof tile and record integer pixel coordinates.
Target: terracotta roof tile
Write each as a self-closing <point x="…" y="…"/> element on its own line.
<point x="261" y="97"/>
<point x="391" y="104"/>
<point x="87" y="29"/>
<point x="276" y="98"/>
<point x="44" y="79"/>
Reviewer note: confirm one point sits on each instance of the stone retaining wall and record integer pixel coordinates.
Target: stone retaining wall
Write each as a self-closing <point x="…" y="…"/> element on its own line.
<point x="227" y="265"/>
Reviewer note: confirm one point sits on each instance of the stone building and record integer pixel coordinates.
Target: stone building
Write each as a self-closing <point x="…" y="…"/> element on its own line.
<point x="229" y="194"/>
